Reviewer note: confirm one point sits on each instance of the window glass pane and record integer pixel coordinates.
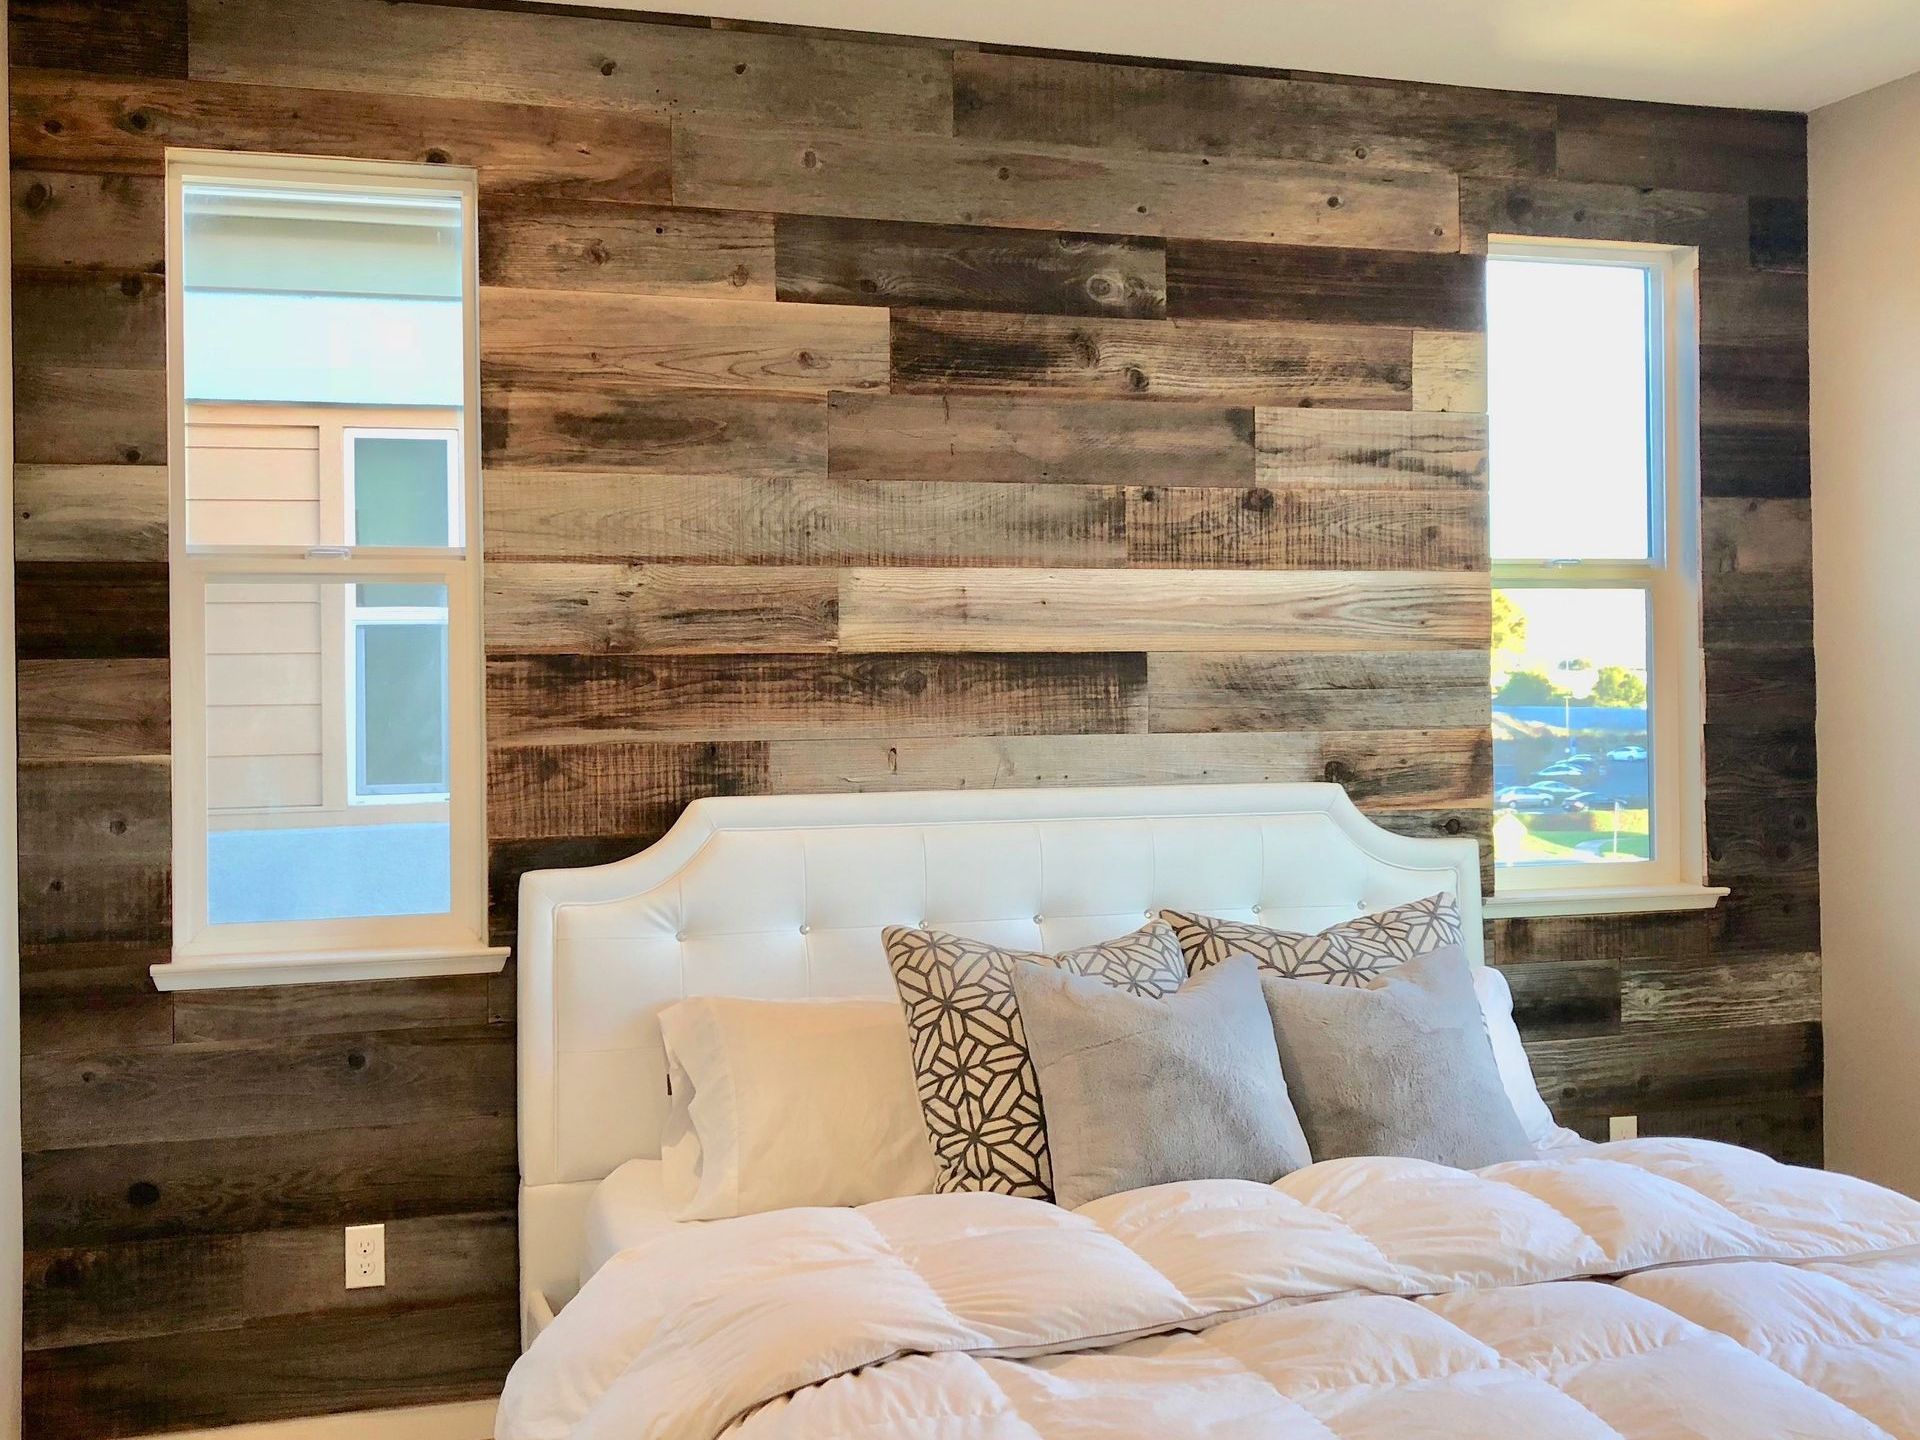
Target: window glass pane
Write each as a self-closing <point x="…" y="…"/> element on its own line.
<point x="288" y="836"/>
<point x="1571" y="745"/>
<point x="402" y="489"/>
<point x="1567" y="399"/>
<point x="401" y="716"/>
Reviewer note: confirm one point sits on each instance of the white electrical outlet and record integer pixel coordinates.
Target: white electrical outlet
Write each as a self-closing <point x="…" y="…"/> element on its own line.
<point x="1623" y="1127"/>
<point x="366" y="1256"/>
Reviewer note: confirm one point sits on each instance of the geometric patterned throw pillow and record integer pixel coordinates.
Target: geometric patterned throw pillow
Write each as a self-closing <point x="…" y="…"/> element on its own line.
<point x="979" y="1094"/>
<point x="1354" y="952"/>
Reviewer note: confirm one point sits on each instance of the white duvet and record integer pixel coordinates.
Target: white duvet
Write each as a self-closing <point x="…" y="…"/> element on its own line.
<point x="1370" y="1299"/>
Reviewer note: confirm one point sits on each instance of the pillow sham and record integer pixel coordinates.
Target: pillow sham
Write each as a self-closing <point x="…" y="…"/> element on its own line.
<point x="1141" y="1090"/>
<point x="1403" y="1067"/>
<point x="979" y="1098"/>
<point x="788" y="1102"/>
<point x="1350" y="953"/>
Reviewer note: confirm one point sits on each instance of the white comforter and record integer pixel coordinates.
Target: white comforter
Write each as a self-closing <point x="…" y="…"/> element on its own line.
<point x="1364" y="1299"/>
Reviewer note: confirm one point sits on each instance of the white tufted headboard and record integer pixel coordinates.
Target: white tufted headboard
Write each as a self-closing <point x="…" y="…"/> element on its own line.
<point x="786" y="896"/>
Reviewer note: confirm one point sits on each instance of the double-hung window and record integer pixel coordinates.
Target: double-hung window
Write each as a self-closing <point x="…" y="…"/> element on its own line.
<point x="326" y="651"/>
<point x="1597" y="680"/>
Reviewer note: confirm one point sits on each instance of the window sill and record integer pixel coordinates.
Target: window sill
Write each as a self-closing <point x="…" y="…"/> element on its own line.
<point x="228" y="972"/>
<point x="1630" y="900"/>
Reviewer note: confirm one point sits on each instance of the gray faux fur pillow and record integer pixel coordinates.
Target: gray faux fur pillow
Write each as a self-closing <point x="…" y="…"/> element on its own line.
<point x="1401" y="1068"/>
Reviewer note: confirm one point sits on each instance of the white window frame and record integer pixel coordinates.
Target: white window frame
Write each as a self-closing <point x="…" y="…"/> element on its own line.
<point x="361" y="948"/>
<point x="1675" y="877"/>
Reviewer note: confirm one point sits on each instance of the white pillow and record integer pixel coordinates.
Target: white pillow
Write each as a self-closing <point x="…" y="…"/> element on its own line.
<point x="789" y="1102"/>
<point x="1516" y="1073"/>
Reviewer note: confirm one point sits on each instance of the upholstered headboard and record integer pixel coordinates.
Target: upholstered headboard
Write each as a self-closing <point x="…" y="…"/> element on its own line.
<point x="786" y="896"/>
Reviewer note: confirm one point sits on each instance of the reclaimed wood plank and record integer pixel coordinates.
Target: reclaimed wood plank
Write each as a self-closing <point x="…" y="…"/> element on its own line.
<point x="1251" y="362"/>
<point x="64" y="416"/>
<point x="1747" y="990"/>
<point x="618" y="788"/>
<point x="86" y="1294"/>
<point x="1003" y="96"/>
<point x="88" y="222"/>
<point x="281" y="1012"/>
<point x="90" y="610"/>
<point x="217" y="1090"/>
<point x="275" y="1369"/>
<point x="599" y="608"/>
<point x="1756" y="308"/>
<point x="1682" y="147"/>
<point x="1755" y="535"/>
<point x="1752" y="384"/>
<point x="1560" y="998"/>
<point x="158" y="1187"/>
<point x="430" y="1260"/>
<point x="854" y="175"/>
<point x="1307" y="528"/>
<point x="968" y="267"/>
<point x="1382" y="690"/>
<point x="88" y="123"/>
<point x="93" y="709"/>
<point x="89" y="319"/>
<point x="1761" y="684"/>
<point x="593" y="341"/>
<point x="583" y="516"/>
<point x="1757" y="607"/>
<point x="736" y="434"/>
<point x="564" y="698"/>
<point x="1155" y="610"/>
<point x="586" y="58"/>
<point x="1578" y="210"/>
<point x="1637" y="1069"/>
<point x="90" y="512"/>
<point x="1786" y="1126"/>
<point x="1022" y="439"/>
<point x="1405" y="769"/>
<point x="104" y="999"/>
<point x="1234" y="280"/>
<point x="95" y="850"/>
<point x="1777" y="233"/>
<point x="1742" y="458"/>
<point x="108" y="37"/>
<point x="1450" y="371"/>
<point x="1370" y="449"/>
<point x="625" y="248"/>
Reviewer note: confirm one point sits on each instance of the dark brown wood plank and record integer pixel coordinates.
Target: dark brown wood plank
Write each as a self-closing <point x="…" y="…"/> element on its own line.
<point x="1022" y="439"/>
<point x="83" y="1005"/>
<point x="213" y="1090"/>
<point x="1759" y="607"/>
<point x="161" y="1186"/>
<point x="586" y="517"/>
<point x="77" y="122"/>
<point x="865" y="175"/>
<point x="1740" y="458"/>
<point x="277" y="1369"/>
<point x="1249" y="362"/>
<point x="82" y="1295"/>
<point x="1758" y="684"/>
<point x="557" y="698"/>
<point x="1561" y="998"/>
<point x="90" y="512"/>
<point x="629" y="249"/>
<point x="1777" y="233"/>
<point x="1191" y="110"/>
<point x="1161" y="610"/>
<point x="1744" y="990"/>
<point x="95" y="851"/>
<point x="1636" y="1069"/>
<point x="108" y="37"/>
<point x="1682" y="147"/>
<point x="588" y="608"/>
<point x="619" y="788"/>
<point x="1786" y="1126"/>
<point x="1377" y="691"/>
<point x="64" y="416"/>
<point x="91" y="610"/>
<point x="686" y="433"/>
<point x="584" y="57"/>
<point x="432" y="1260"/>
<point x="92" y="222"/>
<point x="1229" y="280"/>
<point x="1576" y="210"/>
<point x="282" y="1012"/>
<point x="89" y="319"/>
<point x="93" y="709"/>
<point x="1394" y="769"/>
<point x="595" y="341"/>
<point x="1755" y="308"/>
<point x="960" y="267"/>
<point x="1307" y="528"/>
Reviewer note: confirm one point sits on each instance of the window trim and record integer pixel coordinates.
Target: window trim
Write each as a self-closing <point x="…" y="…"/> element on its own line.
<point x="1675" y="879"/>
<point x="357" y="948"/>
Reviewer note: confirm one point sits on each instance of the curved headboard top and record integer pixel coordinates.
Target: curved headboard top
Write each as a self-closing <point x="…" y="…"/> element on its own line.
<point x="786" y="896"/>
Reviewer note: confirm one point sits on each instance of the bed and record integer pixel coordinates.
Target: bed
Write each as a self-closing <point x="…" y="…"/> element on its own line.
<point x="1643" y="1288"/>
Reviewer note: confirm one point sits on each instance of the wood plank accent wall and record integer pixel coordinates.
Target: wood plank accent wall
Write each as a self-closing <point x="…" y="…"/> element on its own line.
<point x="859" y="413"/>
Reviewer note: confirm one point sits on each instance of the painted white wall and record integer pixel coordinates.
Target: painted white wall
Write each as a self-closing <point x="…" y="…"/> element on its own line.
<point x="1866" y="564"/>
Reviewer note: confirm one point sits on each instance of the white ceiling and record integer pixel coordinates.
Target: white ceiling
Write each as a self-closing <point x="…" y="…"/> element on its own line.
<point x="1775" y="54"/>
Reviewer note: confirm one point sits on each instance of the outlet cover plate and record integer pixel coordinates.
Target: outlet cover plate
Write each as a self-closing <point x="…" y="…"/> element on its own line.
<point x="366" y="1256"/>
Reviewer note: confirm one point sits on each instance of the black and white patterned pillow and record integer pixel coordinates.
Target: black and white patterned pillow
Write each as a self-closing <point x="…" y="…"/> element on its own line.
<point x="1354" y="952"/>
<point x="979" y="1094"/>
